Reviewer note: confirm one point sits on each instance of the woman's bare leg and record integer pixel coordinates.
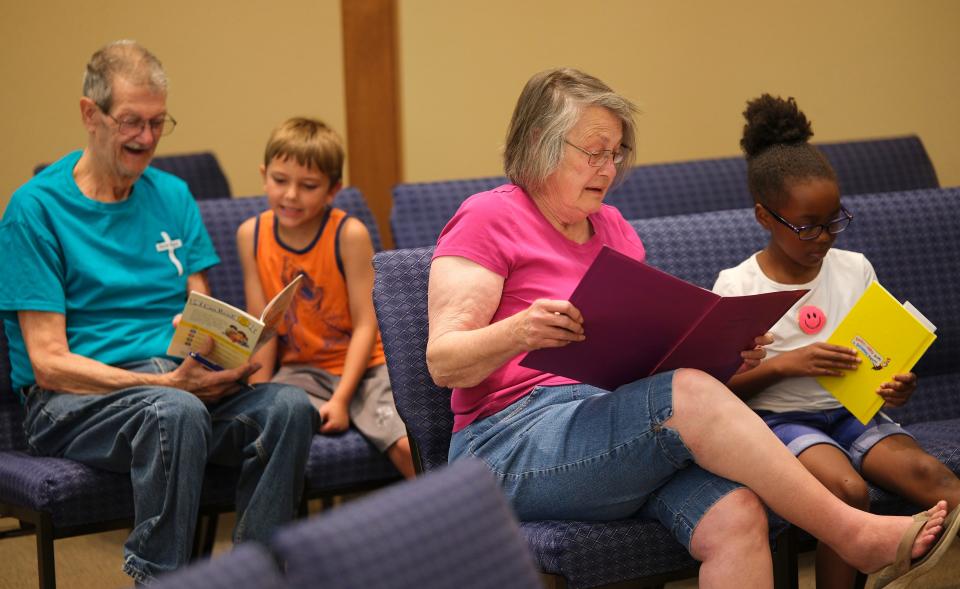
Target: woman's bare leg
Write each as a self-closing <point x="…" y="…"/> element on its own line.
<point x="732" y="543"/>
<point x="730" y="440"/>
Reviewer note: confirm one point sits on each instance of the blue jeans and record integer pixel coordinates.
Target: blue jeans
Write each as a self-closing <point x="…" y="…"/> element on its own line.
<point x="579" y="452"/>
<point x="164" y="437"/>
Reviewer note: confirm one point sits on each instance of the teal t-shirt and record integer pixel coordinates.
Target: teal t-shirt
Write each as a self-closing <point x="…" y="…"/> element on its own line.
<point x="117" y="271"/>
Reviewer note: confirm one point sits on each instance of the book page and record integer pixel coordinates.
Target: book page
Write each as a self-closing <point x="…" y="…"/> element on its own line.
<point x="234" y="332"/>
<point x="272" y="315"/>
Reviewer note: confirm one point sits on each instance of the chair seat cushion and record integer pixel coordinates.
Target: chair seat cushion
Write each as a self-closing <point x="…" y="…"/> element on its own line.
<point x="588" y="554"/>
<point x="340" y="461"/>
<point x="71" y="492"/>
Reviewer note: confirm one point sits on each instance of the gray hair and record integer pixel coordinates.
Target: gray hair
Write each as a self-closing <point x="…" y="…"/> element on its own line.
<point x="549" y="106"/>
<point x="126" y="59"/>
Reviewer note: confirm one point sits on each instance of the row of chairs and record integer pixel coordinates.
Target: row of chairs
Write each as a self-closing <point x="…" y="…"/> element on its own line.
<point x="450" y="528"/>
<point x="421" y="209"/>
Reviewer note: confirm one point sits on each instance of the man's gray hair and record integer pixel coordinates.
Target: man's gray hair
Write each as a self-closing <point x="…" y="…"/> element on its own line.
<point x="125" y="59"/>
<point x="549" y="106"/>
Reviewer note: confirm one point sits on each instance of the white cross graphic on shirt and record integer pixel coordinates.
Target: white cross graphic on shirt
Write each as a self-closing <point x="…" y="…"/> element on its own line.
<point x="168" y="245"/>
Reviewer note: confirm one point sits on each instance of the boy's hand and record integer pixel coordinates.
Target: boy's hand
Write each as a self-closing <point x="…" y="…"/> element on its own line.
<point x="898" y="392"/>
<point x="756" y="354"/>
<point x="818" y="359"/>
<point x="334" y="417"/>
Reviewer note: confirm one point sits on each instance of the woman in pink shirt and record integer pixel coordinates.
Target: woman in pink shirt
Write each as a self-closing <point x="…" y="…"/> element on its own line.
<point x="678" y="446"/>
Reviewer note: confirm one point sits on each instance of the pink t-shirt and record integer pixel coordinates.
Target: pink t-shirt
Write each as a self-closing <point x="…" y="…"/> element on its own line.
<point x="503" y="231"/>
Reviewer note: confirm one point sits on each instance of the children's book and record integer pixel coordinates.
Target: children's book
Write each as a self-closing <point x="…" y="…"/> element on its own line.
<point x="639" y="321"/>
<point x="889" y="339"/>
<point x="236" y="333"/>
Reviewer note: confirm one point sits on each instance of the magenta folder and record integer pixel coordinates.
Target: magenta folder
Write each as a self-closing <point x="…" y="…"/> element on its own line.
<point x="640" y="321"/>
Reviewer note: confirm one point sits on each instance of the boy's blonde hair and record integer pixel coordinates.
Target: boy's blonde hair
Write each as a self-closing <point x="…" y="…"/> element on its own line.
<point x="311" y="143"/>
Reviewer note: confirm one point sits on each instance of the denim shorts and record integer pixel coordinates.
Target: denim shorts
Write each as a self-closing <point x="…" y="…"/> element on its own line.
<point x="576" y="452"/>
<point x="799" y="430"/>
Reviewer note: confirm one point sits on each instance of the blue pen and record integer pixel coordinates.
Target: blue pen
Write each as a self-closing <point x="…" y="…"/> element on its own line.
<point x="206" y="363"/>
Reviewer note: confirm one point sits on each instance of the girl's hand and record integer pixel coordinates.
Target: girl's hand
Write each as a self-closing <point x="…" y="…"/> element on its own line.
<point x="334" y="417"/>
<point x="898" y="392"/>
<point x="818" y="359"/>
<point x="756" y="354"/>
<point x="548" y="324"/>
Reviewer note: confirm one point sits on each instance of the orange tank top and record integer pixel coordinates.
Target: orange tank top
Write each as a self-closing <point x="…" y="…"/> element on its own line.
<point x="317" y="327"/>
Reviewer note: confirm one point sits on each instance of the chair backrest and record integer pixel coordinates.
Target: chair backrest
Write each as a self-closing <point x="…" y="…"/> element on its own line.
<point x="909" y="237"/>
<point x="248" y="566"/>
<point x="400" y="298"/>
<point x="881" y="165"/>
<point x="11" y="411"/>
<point x="421" y="210"/>
<point x="449" y="528"/>
<point x="351" y="200"/>
<point x="222" y="217"/>
<point x="201" y="171"/>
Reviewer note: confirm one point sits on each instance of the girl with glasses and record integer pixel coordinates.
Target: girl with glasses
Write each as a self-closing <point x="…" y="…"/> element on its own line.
<point x="797" y="200"/>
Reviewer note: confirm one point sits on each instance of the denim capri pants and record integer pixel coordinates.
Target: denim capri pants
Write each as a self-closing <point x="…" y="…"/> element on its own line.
<point x="577" y="452"/>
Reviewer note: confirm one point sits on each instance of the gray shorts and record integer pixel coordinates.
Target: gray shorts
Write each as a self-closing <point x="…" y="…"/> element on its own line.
<point x="371" y="411"/>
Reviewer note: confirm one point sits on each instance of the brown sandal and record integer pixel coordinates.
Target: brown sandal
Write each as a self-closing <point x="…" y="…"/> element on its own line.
<point x="935" y="569"/>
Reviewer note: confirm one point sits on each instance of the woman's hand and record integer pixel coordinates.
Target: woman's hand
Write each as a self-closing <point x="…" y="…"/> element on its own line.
<point x="755" y="355"/>
<point x="898" y="392"/>
<point x="548" y="324"/>
<point x="818" y="359"/>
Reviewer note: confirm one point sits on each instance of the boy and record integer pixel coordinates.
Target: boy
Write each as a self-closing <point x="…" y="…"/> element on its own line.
<point x="329" y="343"/>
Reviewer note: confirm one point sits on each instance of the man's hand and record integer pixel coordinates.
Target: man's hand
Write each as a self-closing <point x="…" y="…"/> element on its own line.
<point x="334" y="416"/>
<point x="210" y="385"/>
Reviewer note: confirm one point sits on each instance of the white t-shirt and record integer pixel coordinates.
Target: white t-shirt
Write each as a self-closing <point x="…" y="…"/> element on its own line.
<point x="842" y="279"/>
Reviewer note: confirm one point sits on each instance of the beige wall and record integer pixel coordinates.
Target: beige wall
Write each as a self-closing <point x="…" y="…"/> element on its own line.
<point x="859" y="69"/>
<point x="237" y="68"/>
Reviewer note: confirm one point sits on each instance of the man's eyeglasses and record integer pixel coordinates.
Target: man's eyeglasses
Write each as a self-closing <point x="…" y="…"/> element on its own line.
<point x="599" y="158"/>
<point x="133" y="126"/>
<point x="811" y="232"/>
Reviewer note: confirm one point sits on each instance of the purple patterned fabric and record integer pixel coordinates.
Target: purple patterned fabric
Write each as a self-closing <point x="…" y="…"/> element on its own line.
<point x="420" y="210"/>
<point x="249" y="566"/>
<point x="449" y="528"/>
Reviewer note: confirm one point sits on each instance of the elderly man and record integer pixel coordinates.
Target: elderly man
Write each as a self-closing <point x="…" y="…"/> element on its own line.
<point x="99" y="254"/>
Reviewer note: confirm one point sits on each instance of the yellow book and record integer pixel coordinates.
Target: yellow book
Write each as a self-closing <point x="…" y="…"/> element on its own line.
<point x="889" y="338"/>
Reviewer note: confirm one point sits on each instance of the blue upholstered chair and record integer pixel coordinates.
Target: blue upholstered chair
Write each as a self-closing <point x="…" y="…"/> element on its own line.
<point x="421" y="210"/>
<point x="581" y="554"/>
<point x="248" y="566"/>
<point x="56" y="498"/>
<point x="201" y="171"/>
<point x="449" y="528"/>
<point x="351" y="200"/>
